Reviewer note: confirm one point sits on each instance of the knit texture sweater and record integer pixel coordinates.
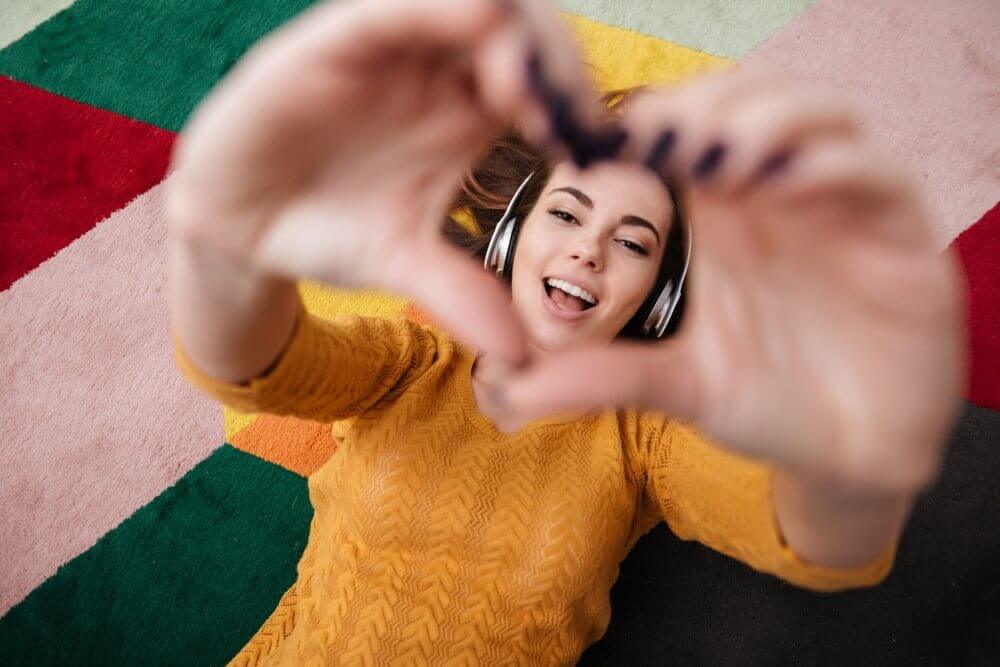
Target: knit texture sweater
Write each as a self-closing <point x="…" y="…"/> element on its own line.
<point x="437" y="538"/>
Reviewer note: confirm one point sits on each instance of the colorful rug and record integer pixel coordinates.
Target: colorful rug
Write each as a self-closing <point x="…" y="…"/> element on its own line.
<point x="140" y="523"/>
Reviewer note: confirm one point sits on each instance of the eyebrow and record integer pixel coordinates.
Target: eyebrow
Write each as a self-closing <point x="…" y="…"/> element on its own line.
<point x="626" y="220"/>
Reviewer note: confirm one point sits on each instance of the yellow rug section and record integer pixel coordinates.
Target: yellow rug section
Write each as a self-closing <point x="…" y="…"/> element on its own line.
<point x="624" y="58"/>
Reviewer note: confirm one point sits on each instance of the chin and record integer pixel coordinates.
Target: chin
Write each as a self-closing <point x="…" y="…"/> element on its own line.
<point x="551" y="339"/>
<point x="547" y="334"/>
<point x="547" y="339"/>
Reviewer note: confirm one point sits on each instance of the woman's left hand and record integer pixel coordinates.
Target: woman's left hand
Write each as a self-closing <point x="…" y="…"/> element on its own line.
<point x="824" y="330"/>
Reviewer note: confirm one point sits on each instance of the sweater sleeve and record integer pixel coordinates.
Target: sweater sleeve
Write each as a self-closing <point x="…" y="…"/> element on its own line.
<point x="330" y="369"/>
<point x="724" y="501"/>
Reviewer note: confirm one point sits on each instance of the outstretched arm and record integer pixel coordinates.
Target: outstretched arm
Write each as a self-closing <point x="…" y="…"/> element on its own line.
<point x="740" y="507"/>
<point x="231" y="319"/>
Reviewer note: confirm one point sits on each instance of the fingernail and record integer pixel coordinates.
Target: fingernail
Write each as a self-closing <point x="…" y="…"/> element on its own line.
<point x="586" y="147"/>
<point x="535" y="77"/>
<point x="774" y="164"/>
<point x="709" y="161"/>
<point x="660" y="150"/>
<point x="591" y="147"/>
<point x="556" y="105"/>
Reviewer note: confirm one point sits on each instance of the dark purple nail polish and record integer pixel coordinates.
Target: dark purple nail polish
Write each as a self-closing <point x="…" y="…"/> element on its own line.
<point x="709" y="161"/>
<point x="774" y="164"/>
<point x="660" y="150"/>
<point x="591" y="147"/>
<point x="535" y="78"/>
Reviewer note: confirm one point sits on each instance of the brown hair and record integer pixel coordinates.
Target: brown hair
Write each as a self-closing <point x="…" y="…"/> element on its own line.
<point x="503" y="165"/>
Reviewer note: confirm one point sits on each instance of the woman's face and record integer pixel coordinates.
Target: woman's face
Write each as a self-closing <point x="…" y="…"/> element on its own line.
<point x="602" y="230"/>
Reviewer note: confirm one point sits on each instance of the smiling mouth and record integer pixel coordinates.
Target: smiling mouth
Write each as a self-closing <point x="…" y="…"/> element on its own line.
<point x="564" y="299"/>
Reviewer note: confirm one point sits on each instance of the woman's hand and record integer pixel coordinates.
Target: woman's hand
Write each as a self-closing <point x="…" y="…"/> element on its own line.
<point x="334" y="148"/>
<point x="823" y="328"/>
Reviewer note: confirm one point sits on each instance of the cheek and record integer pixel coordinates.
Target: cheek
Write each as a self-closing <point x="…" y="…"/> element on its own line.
<point x="634" y="285"/>
<point x="523" y="276"/>
<point x="527" y="259"/>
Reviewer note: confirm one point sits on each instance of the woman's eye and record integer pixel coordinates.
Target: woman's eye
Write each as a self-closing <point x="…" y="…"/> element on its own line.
<point x="634" y="247"/>
<point x="563" y="215"/>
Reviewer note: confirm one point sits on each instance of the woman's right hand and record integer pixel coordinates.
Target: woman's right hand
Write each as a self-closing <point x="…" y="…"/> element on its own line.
<point x="334" y="147"/>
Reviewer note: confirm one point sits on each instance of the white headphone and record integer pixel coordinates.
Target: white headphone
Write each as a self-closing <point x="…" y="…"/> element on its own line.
<point x="500" y="257"/>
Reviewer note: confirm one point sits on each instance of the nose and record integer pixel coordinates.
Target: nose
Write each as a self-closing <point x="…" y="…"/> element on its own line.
<point x="588" y="252"/>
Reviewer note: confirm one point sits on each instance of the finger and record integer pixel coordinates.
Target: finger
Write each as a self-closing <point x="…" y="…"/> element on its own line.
<point x="659" y="376"/>
<point x="763" y="131"/>
<point x="502" y="81"/>
<point x="550" y="37"/>
<point x="508" y="94"/>
<point x="842" y="183"/>
<point x="833" y="165"/>
<point x="458" y="294"/>
<point x="684" y="114"/>
<point x="562" y="88"/>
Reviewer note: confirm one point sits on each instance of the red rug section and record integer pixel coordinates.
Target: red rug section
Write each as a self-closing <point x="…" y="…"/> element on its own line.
<point x="979" y="247"/>
<point x="66" y="166"/>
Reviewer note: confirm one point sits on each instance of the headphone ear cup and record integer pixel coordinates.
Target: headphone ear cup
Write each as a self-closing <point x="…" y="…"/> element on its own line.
<point x="496" y="251"/>
<point x="663" y="308"/>
<point x="509" y="246"/>
<point x="661" y="312"/>
<point x="644" y="315"/>
<point x="500" y="252"/>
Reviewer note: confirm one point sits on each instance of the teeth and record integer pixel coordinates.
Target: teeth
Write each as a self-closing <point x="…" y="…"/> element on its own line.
<point x="570" y="288"/>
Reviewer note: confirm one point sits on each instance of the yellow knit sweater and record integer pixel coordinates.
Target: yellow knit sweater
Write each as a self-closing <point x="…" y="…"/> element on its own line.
<point x="438" y="539"/>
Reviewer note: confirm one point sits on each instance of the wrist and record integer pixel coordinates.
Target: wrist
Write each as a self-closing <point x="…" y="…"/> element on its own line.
<point x="836" y="524"/>
<point x="876" y="469"/>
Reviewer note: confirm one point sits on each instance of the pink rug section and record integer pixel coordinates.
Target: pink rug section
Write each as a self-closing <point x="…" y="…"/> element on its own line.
<point x="96" y="420"/>
<point x="925" y="76"/>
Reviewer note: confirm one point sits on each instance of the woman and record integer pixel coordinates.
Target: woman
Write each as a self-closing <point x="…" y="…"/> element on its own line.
<point x="479" y="507"/>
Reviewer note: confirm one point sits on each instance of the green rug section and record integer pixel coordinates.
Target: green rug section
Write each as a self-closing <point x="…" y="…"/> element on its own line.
<point x="186" y="580"/>
<point x="720" y="27"/>
<point x="147" y="59"/>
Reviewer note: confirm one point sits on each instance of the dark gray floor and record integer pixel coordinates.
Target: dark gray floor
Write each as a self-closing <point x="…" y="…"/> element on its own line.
<point x="681" y="603"/>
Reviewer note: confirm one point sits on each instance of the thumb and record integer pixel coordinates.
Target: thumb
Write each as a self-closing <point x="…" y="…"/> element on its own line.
<point x="460" y="295"/>
<point x="656" y="376"/>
